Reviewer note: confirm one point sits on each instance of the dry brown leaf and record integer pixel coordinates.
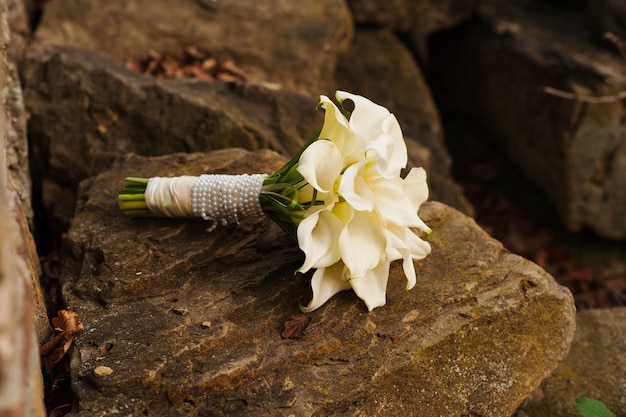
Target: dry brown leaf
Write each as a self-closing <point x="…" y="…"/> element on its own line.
<point x="66" y="325"/>
<point x="209" y="64"/>
<point x="231" y="68"/>
<point x="187" y="62"/>
<point x="294" y="329"/>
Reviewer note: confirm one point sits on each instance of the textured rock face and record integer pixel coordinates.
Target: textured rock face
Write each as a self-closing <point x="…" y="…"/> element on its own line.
<point x="595" y="367"/>
<point x="426" y="16"/>
<point x="417" y="19"/>
<point x="299" y="52"/>
<point x="575" y="151"/>
<point x="20" y="379"/>
<point x="18" y="14"/>
<point x="13" y="103"/>
<point x="607" y="16"/>
<point x="15" y="151"/>
<point x="190" y="322"/>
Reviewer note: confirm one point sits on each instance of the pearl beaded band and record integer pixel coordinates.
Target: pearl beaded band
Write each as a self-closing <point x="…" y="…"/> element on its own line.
<point x="221" y="198"/>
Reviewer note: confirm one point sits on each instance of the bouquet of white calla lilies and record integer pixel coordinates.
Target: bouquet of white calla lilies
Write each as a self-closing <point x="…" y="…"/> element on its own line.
<point x="365" y="223"/>
<point x="341" y="197"/>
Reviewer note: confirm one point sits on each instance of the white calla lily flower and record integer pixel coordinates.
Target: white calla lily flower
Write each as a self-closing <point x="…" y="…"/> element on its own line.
<point x="352" y="237"/>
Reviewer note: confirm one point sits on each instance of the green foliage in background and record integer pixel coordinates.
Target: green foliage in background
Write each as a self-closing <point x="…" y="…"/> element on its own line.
<point x="588" y="407"/>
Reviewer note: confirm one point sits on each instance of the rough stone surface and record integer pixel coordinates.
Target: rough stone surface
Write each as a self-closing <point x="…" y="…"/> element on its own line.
<point x="416" y="18"/>
<point x="378" y="66"/>
<point x="17" y="159"/>
<point x="85" y="110"/>
<point x="190" y="322"/>
<point x="294" y="44"/>
<point x="595" y="367"/>
<point x="20" y="376"/>
<point x="607" y="16"/>
<point x="17" y="145"/>
<point x="405" y="15"/>
<point x="28" y="252"/>
<point x="19" y="14"/>
<point x="575" y="151"/>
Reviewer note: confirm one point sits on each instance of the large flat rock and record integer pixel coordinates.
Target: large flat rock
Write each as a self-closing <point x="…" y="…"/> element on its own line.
<point x="190" y="322"/>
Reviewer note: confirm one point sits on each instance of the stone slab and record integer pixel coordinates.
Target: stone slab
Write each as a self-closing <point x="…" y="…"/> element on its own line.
<point x="190" y="322"/>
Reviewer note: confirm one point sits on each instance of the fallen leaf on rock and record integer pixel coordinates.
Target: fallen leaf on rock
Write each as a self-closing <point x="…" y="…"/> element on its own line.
<point x="187" y="62"/>
<point x="66" y="325"/>
<point x="294" y="329"/>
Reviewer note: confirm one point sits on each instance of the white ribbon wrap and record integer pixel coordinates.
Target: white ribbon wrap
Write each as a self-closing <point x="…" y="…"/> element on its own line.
<point x="170" y="197"/>
<point x="220" y="198"/>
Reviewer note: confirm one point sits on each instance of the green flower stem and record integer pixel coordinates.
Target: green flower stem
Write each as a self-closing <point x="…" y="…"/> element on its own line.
<point x="136" y="182"/>
<point x="134" y="204"/>
<point x="132" y="200"/>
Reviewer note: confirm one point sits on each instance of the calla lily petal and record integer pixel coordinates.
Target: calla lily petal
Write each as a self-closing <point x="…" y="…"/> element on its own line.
<point x="321" y="164"/>
<point x="325" y="283"/>
<point x="337" y="129"/>
<point x="372" y="287"/>
<point x="403" y="243"/>
<point x="396" y="155"/>
<point x="396" y="246"/>
<point x="355" y="190"/>
<point x="367" y="116"/>
<point x="361" y="243"/>
<point x="416" y="190"/>
<point x="419" y="248"/>
<point x="392" y="202"/>
<point x="318" y="235"/>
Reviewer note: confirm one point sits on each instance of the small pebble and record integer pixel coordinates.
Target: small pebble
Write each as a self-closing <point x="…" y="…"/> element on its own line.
<point x="102" y="371"/>
<point x="206" y="324"/>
